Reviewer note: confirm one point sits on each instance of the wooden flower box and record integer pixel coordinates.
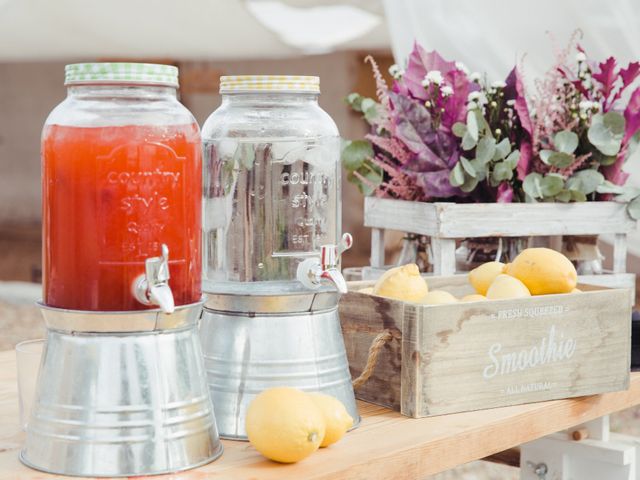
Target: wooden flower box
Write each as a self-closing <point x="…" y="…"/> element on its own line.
<point x="444" y="223"/>
<point x="468" y="356"/>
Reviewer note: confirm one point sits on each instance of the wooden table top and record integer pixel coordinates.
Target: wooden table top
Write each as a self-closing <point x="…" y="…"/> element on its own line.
<point x="386" y="445"/>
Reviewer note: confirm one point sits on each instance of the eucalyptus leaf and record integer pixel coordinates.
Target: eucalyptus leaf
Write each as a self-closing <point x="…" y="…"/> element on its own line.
<point x="551" y="185"/>
<point x="587" y="181"/>
<point x="355" y="100"/>
<point x="355" y="153"/>
<point x="469" y="184"/>
<point x="566" y="141"/>
<point x="478" y="166"/>
<point x="531" y="185"/>
<point x="608" y="187"/>
<point x="629" y="194"/>
<point x="615" y="122"/>
<point x="456" y="177"/>
<point x="468" y="167"/>
<point x="501" y="172"/>
<point x="372" y="174"/>
<point x="486" y="149"/>
<point x="544" y="156"/>
<point x="634" y="208"/>
<point x="467" y="141"/>
<point x="606" y="131"/>
<point x="502" y="149"/>
<point x="371" y="114"/>
<point x="564" y="196"/>
<point x="472" y="125"/>
<point x="513" y="159"/>
<point x="578" y="196"/>
<point x="459" y="129"/>
<point x="367" y="103"/>
<point x="561" y="159"/>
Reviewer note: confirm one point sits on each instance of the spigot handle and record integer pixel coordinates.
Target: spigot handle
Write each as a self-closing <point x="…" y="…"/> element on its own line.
<point x="152" y="288"/>
<point x="311" y="271"/>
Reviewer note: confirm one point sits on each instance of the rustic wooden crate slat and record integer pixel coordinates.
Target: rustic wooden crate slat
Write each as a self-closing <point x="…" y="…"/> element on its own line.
<point x="439" y="355"/>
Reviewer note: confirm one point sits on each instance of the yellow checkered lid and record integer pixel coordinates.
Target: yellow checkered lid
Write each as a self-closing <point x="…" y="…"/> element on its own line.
<point x="269" y="83"/>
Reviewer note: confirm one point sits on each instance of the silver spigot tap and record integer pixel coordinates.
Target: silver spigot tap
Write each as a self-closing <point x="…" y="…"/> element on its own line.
<point x="152" y="288"/>
<point x="311" y="271"/>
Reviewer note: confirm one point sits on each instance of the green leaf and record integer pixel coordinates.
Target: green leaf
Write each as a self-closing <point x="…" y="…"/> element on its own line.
<point x="501" y="172"/>
<point x="456" y="177"/>
<point x="634" y="208"/>
<point x="355" y="153"/>
<point x="502" y="149"/>
<point x="608" y="187"/>
<point x="479" y="169"/>
<point x="532" y="185"/>
<point x="544" y="156"/>
<point x="373" y="175"/>
<point x="551" y="185"/>
<point x="355" y="100"/>
<point x="469" y="184"/>
<point x="561" y="159"/>
<point x="629" y="194"/>
<point x="578" y="196"/>
<point x="605" y="132"/>
<point x="468" y="167"/>
<point x="367" y="103"/>
<point x="467" y="141"/>
<point x="486" y="149"/>
<point x="566" y="141"/>
<point x="472" y="125"/>
<point x="564" y="196"/>
<point x="459" y="129"/>
<point x="587" y="181"/>
<point x="513" y="159"/>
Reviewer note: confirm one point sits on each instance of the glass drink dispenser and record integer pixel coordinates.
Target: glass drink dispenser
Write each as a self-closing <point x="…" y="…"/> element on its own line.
<point x="271" y="228"/>
<point x="121" y="390"/>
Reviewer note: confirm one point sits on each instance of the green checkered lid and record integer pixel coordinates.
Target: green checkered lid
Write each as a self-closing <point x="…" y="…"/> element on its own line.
<point x="121" y="73"/>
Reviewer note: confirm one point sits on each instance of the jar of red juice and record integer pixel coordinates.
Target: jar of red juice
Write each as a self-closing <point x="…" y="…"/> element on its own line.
<point x="121" y="178"/>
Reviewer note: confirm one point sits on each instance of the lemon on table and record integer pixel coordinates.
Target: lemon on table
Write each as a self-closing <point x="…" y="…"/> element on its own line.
<point x="402" y="283"/>
<point x="505" y="286"/>
<point x="438" y="297"/>
<point x="284" y="424"/>
<point x="337" y="420"/>
<point x="481" y="277"/>
<point x="544" y="271"/>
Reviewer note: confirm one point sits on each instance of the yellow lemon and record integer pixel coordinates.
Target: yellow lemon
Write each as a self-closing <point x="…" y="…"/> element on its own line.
<point x="402" y="283"/>
<point x="475" y="297"/>
<point x="284" y="424"/>
<point x="367" y="290"/>
<point x="576" y="290"/>
<point x="544" y="271"/>
<point x="438" y="297"/>
<point x="505" y="286"/>
<point x="481" y="277"/>
<point x="337" y="420"/>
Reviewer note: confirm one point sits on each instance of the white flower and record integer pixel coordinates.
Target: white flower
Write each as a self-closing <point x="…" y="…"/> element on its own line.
<point x="395" y="71"/>
<point x="434" y="76"/>
<point x="587" y="105"/>
<point x="498" y="84"/>
<point x="446" y="91"/>
<point x="478" y="97"/>
<point x="475" y="77"/>
<point x="473" y="96"/>
<point x="580" y="57"/>
<point x="472" y="106"/>
<point x="462" y="67"/>
<point x="511" y="102"/>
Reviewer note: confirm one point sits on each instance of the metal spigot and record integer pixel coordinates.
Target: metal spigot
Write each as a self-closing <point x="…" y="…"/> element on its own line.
<point x="312" y="271"/>
<point x="152" y="288"/>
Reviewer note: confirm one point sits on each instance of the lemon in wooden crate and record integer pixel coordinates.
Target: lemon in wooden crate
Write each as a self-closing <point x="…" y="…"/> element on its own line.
<point x="544" y="271"/>
<point x="337" y="420"/>
<point x="438" y="297"/>
<point x="505" y="286"/>
<point x="483" y="276"/>
<point x="474" y="297"/>
<point x="402" y="283"/>
<point x="285" y="424"/>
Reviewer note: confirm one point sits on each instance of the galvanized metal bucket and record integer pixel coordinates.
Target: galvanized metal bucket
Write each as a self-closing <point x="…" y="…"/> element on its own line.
<point x="267" y="341"/>
<point x="121" y="403"/>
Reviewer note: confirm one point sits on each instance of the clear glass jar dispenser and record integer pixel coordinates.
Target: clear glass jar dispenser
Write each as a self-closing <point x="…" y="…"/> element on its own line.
<point x="271" y="183"/>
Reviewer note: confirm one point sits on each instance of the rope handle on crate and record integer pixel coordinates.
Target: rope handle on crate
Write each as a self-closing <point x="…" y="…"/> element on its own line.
<point x="374" y="350"/>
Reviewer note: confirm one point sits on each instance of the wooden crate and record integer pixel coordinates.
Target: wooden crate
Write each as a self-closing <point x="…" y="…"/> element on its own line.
<point x="470" y="356"/>
<point x="446" y="222"/>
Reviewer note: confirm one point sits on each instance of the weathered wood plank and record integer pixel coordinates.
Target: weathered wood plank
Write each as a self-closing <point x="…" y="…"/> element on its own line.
<point x="461" y="220"/>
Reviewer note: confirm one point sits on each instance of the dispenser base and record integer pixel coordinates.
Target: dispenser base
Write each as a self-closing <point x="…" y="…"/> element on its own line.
<point x="246" y="353"/>
<point x="121" y="404"/>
